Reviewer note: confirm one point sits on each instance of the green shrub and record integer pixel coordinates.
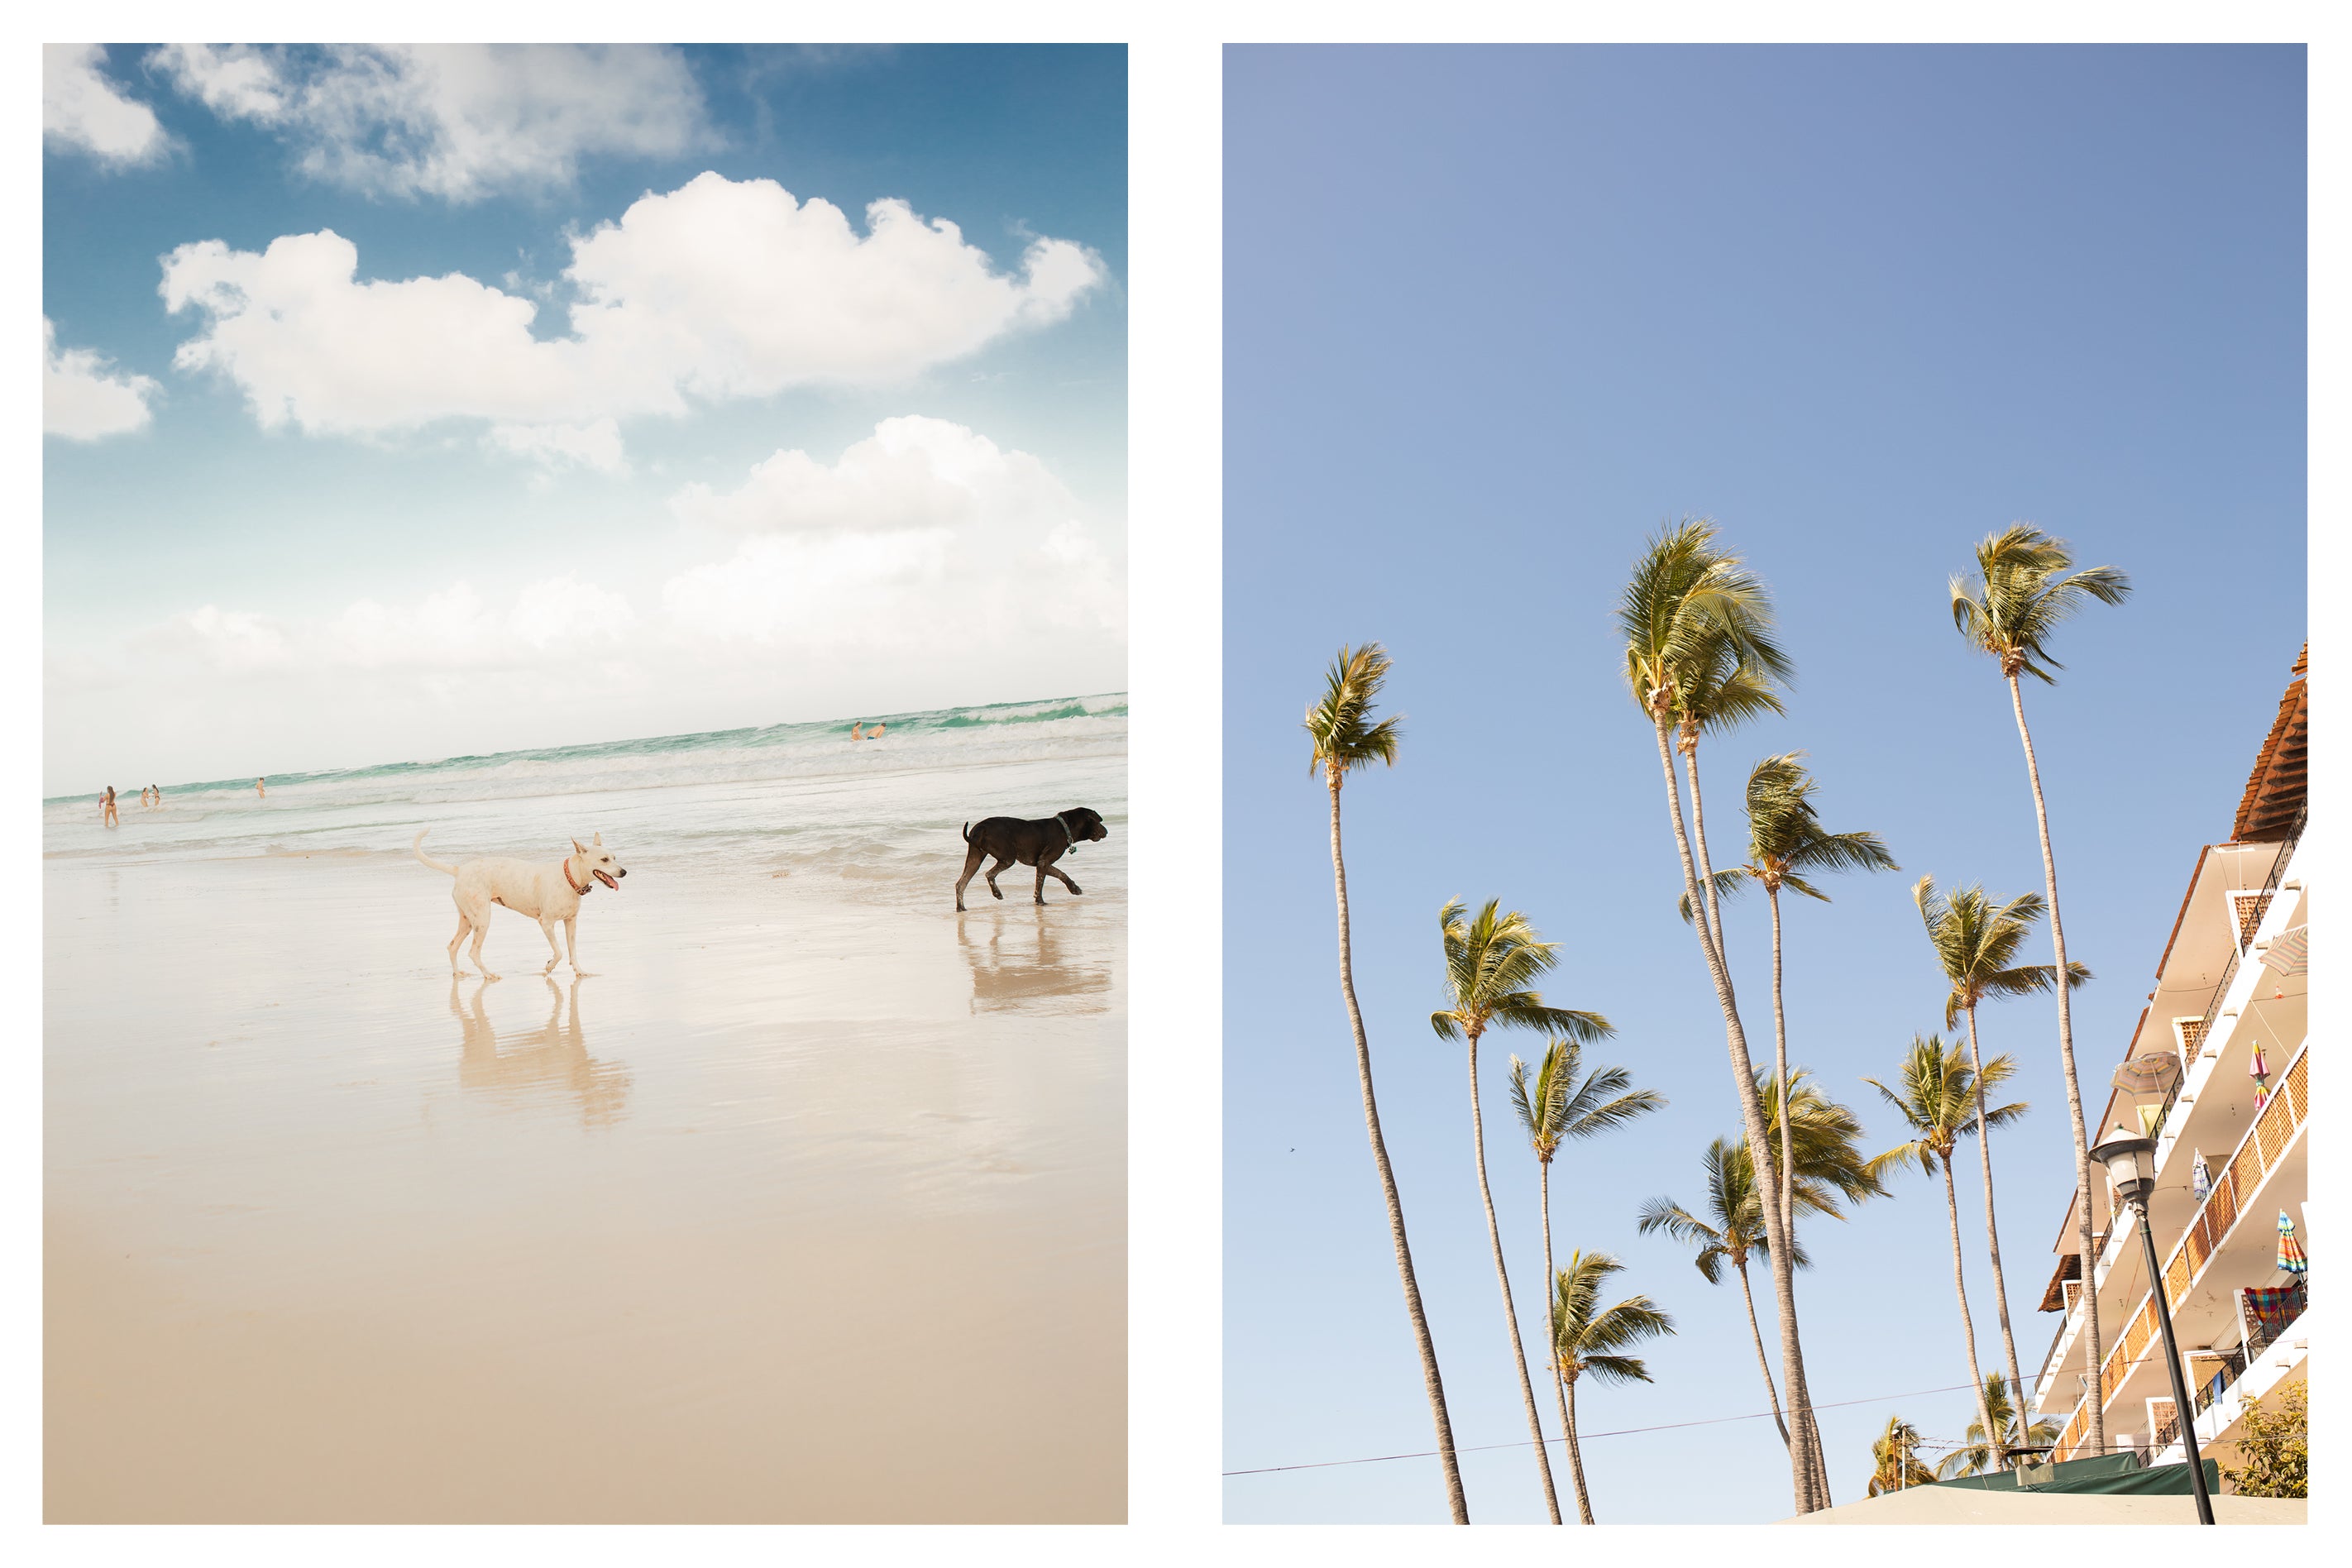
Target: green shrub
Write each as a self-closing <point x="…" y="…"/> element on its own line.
<point x="2276" y="1448"/>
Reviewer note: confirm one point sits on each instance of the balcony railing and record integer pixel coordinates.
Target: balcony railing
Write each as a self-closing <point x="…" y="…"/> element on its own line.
<point x="2201" y="1036"/>
<point x="2255" y="1156"/>
<point x="2263" y="1328"/>
<point x="2219" y="1372"/>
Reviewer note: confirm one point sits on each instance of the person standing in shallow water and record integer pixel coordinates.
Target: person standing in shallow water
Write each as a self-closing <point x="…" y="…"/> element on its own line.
<point x="259" y="793"/>
<point x="106" y="808"/>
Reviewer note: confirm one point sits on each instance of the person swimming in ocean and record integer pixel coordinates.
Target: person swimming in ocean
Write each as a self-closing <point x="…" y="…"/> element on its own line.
<point x="855" y="726"/>
<point x="876" y="732"/>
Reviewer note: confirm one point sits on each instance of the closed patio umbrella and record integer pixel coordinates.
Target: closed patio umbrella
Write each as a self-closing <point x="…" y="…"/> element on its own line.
<point x="2290" y="1252"/>
<point x="2291" y="953"/>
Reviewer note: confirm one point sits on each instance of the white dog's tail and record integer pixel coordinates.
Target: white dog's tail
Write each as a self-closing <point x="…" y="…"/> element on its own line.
<point x="417" y="847"/>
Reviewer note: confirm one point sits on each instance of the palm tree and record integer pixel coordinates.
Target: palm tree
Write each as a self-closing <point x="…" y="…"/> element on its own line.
<point x="1937" y="1099"/>
<point x="1895" y="1453"/>
<point x="1785" y="841"/>
<point x="1591" y="1340"/>
<point x="1826" y="1138"/>
<point x="1980" y="1456"/>
<point x="1491" y="961"/>
<point x="2024" y="588"/>
<point x="1346" y="738"/>
<point x="1553" y="1107"/>
<point x="1733" y="1229"/>
<point x="1688" y="605"/>
<point x="1830" y="1171"/>
<point x="1976" y="942"/>
<point x="1721" y="690"/>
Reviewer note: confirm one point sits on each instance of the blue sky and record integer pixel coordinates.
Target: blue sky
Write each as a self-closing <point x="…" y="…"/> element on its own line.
<point x="1492" y="315"/>
<point x="600" y="425"/>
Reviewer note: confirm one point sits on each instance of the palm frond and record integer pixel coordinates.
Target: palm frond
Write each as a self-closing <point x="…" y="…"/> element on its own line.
<point x="2022" y="591"/>
<point x="1728" y="885"/>
<point x="1490" y="958"/>
<point x="1340" y="724"/>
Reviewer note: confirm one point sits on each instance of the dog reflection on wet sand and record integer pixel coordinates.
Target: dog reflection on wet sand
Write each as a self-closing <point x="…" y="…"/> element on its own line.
<point x="537" y="1064"/>
<point x="1027" y="960"/>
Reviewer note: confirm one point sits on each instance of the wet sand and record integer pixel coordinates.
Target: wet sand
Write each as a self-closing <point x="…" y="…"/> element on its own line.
<point x="810" y="1207"/>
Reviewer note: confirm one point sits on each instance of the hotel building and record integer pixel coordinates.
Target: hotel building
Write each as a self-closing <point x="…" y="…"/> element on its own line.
<point x="2219" y="1080"/>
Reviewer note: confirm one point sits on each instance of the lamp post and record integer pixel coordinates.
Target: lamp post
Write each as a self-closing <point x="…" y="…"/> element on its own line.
<point x="2131" y="1169"/>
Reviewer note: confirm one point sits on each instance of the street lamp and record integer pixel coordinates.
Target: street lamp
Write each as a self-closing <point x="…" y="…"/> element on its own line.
<point x="2131" y="1171"/>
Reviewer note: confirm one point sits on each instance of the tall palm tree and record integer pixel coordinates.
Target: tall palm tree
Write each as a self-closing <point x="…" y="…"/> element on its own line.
<point x="1346" y="738"/>
<point x="1733" y="1227"/>
<point x="1831" y="1172"/>
<point x="1976" y="943"/>
<point x="1689" y="603"/>
<point x="1980" y="1456"/>
<point x="1895" y="1454"/>
<point x="2024" y="588"/>
<point x="1492" y="960"/>
<point x="1785" y="842"/>
<point x="1723" y="687"/>
<point x="1553" y="1107"/>
<point x="1936" y="1101"/>
<point x="1590" y="1339"/>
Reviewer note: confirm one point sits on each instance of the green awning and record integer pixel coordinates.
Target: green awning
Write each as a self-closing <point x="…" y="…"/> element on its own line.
<point x="2114" y="1474"/>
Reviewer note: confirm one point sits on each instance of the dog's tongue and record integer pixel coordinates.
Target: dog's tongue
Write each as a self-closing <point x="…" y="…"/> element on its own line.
<point x="606" y="881"/>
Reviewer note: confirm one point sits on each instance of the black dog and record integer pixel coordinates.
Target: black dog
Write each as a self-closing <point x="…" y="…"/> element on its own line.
<point x="1038" y="844"/>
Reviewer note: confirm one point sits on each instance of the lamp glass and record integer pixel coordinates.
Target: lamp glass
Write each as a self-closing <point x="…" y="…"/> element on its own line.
<point x="2126" y="1158"/>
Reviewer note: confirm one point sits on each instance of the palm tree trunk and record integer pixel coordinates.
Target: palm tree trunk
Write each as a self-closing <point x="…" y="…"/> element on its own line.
<point x="1503" y="1276"/>
<point x="1751" y="1113"/>
<point x="1551" y="1327"/>
<point x="1429" y="1373"/>
<point x="1781" y="1068"/>
<point x="2073" y="1085"/>
<point x="1706" y="863"/>
<point x="1787" y="1157"/>
<point x="1992" y="1238"/>
<point x="1959" y="1287"/>
<point x="1762" y="1364"/>
<point x="1576" y="1456"/>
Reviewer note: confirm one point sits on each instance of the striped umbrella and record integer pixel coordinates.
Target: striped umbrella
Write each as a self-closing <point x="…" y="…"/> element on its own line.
<point x="2261" y="1077"/>
<point x="2290" y="1253"/>
<point x="2291" y="953"/>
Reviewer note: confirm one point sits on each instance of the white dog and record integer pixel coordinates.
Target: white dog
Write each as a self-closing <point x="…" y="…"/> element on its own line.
<point x="544" y="893"/>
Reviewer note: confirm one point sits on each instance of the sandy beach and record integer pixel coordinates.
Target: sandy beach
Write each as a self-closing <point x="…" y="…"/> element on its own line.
<point x="808" y="1205"/>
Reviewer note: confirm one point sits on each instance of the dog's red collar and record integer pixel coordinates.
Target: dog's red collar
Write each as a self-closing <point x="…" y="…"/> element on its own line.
<point x="581" y="892"/>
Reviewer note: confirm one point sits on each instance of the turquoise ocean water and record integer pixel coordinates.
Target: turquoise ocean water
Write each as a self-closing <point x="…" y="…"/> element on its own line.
<point x="780" y="798"/>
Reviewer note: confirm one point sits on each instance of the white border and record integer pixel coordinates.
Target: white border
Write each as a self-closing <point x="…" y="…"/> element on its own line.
<point x="1175" y="671"/>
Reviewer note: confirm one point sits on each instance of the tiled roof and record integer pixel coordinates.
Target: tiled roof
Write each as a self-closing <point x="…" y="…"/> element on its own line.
<point x="2275" y="791"/>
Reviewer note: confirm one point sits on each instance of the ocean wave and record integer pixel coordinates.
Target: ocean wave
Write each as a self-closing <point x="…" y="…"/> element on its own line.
<point x="803" y="797"/>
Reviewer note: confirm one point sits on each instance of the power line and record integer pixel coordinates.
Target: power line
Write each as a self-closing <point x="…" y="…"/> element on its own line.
<point x="1581" y="1436"/>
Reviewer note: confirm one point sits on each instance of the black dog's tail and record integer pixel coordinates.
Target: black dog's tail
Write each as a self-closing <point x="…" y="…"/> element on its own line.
<point x="967" y="833"/>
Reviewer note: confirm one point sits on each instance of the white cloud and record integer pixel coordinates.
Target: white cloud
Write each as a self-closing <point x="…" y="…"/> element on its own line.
<point x="923" y="538"/>
<point x="719" y="289"/>
<point x="83" y="398"/>
<point x="82" y="110"/>
<point x="235" y="82"/>
<point x="461" y="121"/>
<point x="454" y="629"/>
<point x="595" y="445"/>
<point x="564" y="611"/>
<point x="912" y="472"/>
<point x="991" y="578"/>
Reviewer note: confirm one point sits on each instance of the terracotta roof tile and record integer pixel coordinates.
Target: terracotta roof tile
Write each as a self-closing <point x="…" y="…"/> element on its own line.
<point x="2276" y="790"/>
